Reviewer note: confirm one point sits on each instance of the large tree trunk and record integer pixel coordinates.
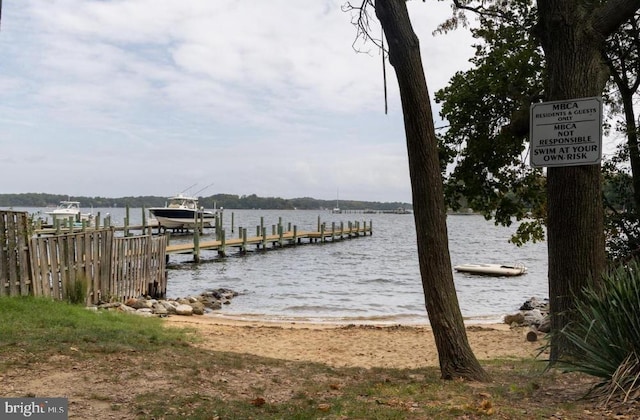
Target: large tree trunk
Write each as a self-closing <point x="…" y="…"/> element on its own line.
<point x="575" y="222"/>
<point x="632" y="144"/>
<point x="454" y="352"/>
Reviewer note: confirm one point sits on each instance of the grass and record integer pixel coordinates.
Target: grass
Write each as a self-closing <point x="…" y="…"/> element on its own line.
<point x="134" y="368"/>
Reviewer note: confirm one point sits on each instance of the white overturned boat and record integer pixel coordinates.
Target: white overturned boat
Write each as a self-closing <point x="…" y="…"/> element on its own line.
<point x="492" y="269"/>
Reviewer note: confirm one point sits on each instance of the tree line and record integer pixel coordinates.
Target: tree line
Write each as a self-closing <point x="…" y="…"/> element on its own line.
<point x="228" y="201"/>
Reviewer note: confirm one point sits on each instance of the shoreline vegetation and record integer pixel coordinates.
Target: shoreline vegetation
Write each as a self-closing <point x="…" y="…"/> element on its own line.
<point x="114" y="365"/>
<point x="227" y="201"/>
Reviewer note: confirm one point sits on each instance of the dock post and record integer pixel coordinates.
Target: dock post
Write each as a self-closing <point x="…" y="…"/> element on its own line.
<point x="341" y="229"/>
<point x="199" y="225"/>
<point x="144" y="222"/>
<point x="97" y="221"/>
<point x="295" y="234"/>
<point x="196" y="245"/>
<point x="261" y="224"/>
<point x="233" y="216"/>
<point x="322" y="232"/>
<point x="243" y="235"/>
<point x="222" y="250"/>
<point x="280" y="235"/>
<point x="318" y="223"/>
<point x="264" y="239"/>
<point x="333" y="231"/>
<point x="126" y="221"/>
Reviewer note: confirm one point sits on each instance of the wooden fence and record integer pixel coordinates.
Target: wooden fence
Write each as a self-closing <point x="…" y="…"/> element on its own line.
<point x="15" y="274"/>
<point x="92" y="265"/>
<point x="138" y="266"/>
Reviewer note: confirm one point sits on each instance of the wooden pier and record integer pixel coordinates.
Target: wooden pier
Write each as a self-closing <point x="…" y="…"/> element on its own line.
<point x="91" y="263"/>
<point x="277" y="239"/>
<point x="262" y="240"/>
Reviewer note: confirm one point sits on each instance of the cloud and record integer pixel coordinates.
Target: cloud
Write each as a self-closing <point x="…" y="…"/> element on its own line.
<point x="151" y="95"/>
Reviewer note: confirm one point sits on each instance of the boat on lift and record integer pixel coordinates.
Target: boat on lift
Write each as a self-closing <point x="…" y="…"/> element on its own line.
<point x="70" y="210"/>
<point x="183" y="212"/>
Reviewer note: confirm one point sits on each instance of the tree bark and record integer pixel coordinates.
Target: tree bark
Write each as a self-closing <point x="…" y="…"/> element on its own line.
<point x="572" y="34"/>
<point x="455" y="355"/>
<point x="632" y="144"/>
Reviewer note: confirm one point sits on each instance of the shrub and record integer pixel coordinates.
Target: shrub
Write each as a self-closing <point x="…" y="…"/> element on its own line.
<point x="605" y="338"/>
<point x="75" y="291"/>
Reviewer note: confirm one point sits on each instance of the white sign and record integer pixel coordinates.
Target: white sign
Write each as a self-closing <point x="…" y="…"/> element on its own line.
<point x="566" y="133"/>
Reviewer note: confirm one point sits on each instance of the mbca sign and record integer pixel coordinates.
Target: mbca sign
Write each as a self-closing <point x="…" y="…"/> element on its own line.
<point x="566" y="133"/>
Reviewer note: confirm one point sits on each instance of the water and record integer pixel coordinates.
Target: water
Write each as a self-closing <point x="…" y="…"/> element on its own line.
<point x="362" y="280"/>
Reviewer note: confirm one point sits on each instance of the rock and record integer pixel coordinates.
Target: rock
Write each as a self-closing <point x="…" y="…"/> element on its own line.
<point x="126" y="309"/>
<point x="144" y="312"/>
<point x="533" y="317"/>
<point x="214" y="305"/>
<point x="141" y="304"/>
<point x="197" y="308"/>
<point x="170" y="306"/>
<point x="184" y="310"/>
<point x="191" y="305"/>
<point x="535" y="303"/>
<point x="533" y="313"/>
<point x="130" y="302"/>
<point x="545" y="325"/>
<point x="159" y="309"/>
<point x="517" y="319"/>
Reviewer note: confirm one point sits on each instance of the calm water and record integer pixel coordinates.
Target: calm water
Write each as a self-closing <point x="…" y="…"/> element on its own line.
<point x="367" y="279"/>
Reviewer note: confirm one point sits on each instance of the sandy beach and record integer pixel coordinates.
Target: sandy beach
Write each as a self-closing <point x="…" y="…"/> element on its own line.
<point x="350" y="345"/>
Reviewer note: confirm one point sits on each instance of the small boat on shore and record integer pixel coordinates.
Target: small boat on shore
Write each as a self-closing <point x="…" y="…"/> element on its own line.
<point x="182" y="212"/>
<point x="492" y="269"/>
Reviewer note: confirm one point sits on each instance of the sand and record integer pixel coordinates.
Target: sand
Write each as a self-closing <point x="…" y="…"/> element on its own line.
<point x="350" y="345"/>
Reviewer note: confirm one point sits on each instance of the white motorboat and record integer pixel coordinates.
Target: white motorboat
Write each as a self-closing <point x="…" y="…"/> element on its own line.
<point x="182" y="212"/>
<point x="492" y="269"/>
<point x="69" y="209"/>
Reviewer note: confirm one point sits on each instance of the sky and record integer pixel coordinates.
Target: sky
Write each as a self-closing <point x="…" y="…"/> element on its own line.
<point x="114" y="98"/>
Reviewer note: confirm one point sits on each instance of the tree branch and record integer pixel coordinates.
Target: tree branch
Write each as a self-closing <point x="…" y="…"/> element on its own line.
<point x="612" y="14"/>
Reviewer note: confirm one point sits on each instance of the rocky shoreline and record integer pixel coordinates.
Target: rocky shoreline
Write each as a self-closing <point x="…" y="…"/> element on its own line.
<point x="534" y="313"/>
<point x="208" y="301"/>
